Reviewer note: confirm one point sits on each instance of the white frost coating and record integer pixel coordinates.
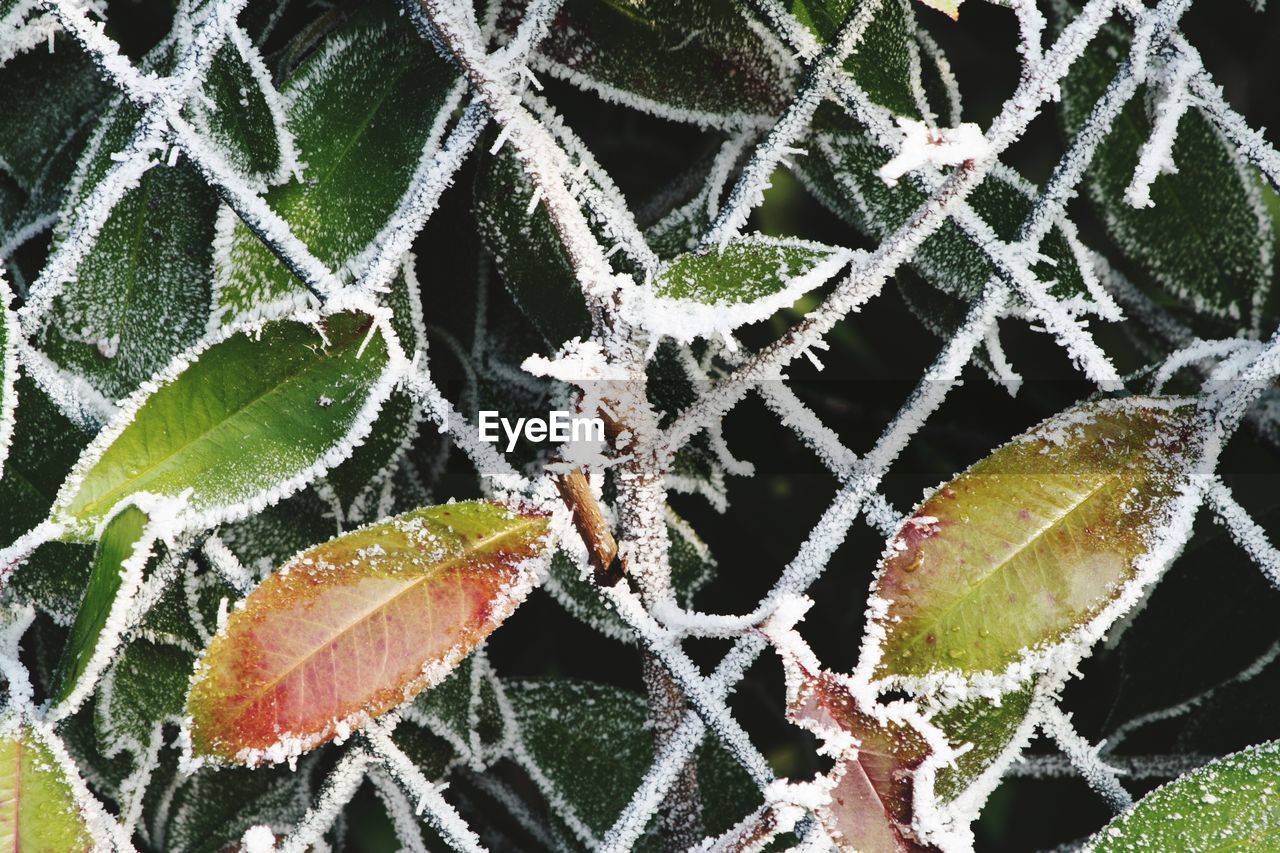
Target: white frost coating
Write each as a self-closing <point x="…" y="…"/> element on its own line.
<point x="1156" y="155"/>
<point x="1246" y="532"/>
<point x="186" y="513"/>
<point x="82" y="404"/>
<point x="122" y="615"/>
<point x="9" y="334"/>
<point x="258" y="839"/>
<point x="925" y="147"/>
<point x="107" y="834"/>
<point x="1085" y="756"/>
<point x="686" y="320"/>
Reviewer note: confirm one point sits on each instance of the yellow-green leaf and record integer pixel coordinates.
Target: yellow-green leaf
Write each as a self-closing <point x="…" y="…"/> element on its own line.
<point x="38" y="810"/>
<point x="1034" y="541"/>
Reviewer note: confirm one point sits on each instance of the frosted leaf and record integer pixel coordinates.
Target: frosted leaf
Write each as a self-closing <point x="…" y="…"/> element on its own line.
<point x="1228" y="804"/>
<point x="40" y="809"/>
<point x="358" y="165"/>
<point x="240" y="112"/>
<point x="140" y="295"/>
<point x="586" y="746"/>
<point x="44" y="96"/>
<point x="609" y="49"/>
<point x="1052" y="527"/>
<point x="1206" y="238"/>
<point x="714" y="291"/>
<point x="169" y="440"/>
<point x="353" y="627"/>
<point x="527" y="249"/>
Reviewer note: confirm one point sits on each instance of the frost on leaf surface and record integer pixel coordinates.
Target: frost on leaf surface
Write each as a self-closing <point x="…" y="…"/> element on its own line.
<point x="357" y="625"/>
<point x="362" y="109"/>
<point x="1229" y="804"/>
<point x="527" y="250"/>
<point x="1033" y="541"/>
<point x="872" y="781"/>
<point x="610" y="48"/>
<point x="591" y="746"/>
<point x="140" y="295"/>
<point x="713" y="291"/>
<point x="239" y="113"/>
<point x="38" y="808"/>
<point x="289" y="394"/>
<point x="1206" y="238"/>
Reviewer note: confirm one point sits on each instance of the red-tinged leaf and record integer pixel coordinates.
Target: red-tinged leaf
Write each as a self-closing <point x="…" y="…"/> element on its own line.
<point x="38" y="809"/>
<point x="356" y="626"/>
<point x="871" y="802"/>
<point x="1034" y="541"/>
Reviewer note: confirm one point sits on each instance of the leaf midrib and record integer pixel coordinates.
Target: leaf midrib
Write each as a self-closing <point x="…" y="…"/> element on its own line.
<point x="923" y="629"/>
<point x="352" y="624"/>
<point x="117" y="491"/>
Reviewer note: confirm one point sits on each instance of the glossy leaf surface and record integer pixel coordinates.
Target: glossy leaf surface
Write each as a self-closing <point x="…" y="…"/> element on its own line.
<point x="355" y="626"/>
<point x="361" y="109"/>
<point x="120" y="539"/>
<point x="38" y="811"/>
<point x="244" y="417"/>
<point x="1229" y="804"/>
<point x="1032" y="541"/>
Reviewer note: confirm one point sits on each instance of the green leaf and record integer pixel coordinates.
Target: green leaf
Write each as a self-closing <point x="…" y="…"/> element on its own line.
<point x="362" y="109"/>
<point x="526" y="247"/>
<point x="987" y="728"/>
<point x="882" y="64"/>
<point x="145" y="687"/>
<point x="211" y="810"/>
<point x="38" y="809"/>
<point x="141" y="294"/>
<point x="1034" y="541"/>
<point x="694" y="62"/>
<point x="1207" y="240"/>
<point x="712" y="292"/>
<point x="290" y="398"/>
<point x="241" y="113"/>
<point x="592" y="747"/>
<point x="1228" y="804"/>
<point x="44" y="97"/>
<point x="45" y="446"/>
<point x="843" y="174"/>
<point x="352" y="627"/>
<point x="122" y="540"/>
